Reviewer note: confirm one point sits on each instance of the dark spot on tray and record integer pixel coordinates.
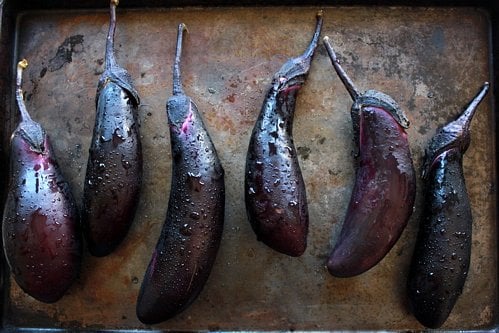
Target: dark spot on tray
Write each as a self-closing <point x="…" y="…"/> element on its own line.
<point x="99" y="69"/>
<point x="142" y="75"/>
<point x="333" y="172"/>
<point x="213" y="327"/>
<point x="231" y="98"/>
<point x="43" y="72"/>
<point x="438" y="40"/>
<point x="322" y="52"/>
<point x="304" y="152"/>
<point x="64" y="54"/>
<point x="423" y="129"/>
<point x="69" y="127"/>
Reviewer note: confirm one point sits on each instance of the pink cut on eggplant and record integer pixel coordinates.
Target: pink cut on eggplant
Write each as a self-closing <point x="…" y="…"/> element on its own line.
<point x="187" y="247"/>
<point x="441" y="257"/>
<point x="383" y="195"/>
<point x="114" y="170"/>
<point x="275" y="194"/>
<point x="41" y="226"/>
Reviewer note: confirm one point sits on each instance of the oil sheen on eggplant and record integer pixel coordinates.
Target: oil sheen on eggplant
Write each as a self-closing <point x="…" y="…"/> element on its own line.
<point x="275" y="194"/>
<point x="114" y="169"/>
<point x="383" y="195"/>
<point x="41" y="226"/>
<point x="441" y="257"/>
<point x="190" y="237"/>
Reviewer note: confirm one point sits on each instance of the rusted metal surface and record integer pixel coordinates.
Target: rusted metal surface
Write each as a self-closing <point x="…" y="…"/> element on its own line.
<point x="431" y="60"/>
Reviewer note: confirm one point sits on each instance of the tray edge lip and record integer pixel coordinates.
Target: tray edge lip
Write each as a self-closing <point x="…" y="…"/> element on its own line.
<point x="490" y="8"/>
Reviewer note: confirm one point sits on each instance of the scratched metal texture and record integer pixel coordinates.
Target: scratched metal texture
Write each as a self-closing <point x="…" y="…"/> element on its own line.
<point x="431" y="60"/>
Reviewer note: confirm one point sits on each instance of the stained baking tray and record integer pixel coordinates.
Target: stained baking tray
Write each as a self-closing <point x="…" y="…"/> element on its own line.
<point x="431" y="56"/>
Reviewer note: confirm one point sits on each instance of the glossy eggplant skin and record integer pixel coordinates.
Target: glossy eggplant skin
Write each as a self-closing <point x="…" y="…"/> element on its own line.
<point x="384" y="192"/>
<point x="441" y="257"/>
<point x="275" y="194"/>
<point x="41" y="225"/>
<point x="191" y="234"/>
<point x="114" y="169"/>
<point x="382" y="198"/>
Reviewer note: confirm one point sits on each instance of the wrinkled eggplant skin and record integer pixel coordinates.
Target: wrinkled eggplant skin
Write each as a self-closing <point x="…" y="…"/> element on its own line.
<point x="114" y="168"/>
<point x="275" y="192"/>
<point x="441" y="257"/>
<point x="383" y="195"/>
<point x="41" y="226"/>
<point x="191" y="235"/>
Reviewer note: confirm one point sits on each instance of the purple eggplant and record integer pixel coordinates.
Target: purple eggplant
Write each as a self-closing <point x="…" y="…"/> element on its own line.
<point x="275" y="194"/>
<point x="41" y="226"/>
<point x="383" y="196"/>
<point x="114" y="169"/>
<point x="191" y="234"/>
<point x="441" y="257"/>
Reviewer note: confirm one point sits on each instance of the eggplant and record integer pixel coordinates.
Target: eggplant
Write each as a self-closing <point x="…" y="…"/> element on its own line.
<point x="383" y="195"/>
<point x="41" y="224"/>
<point x="441" y="257"/>
<point x="114" y="169"/>
<point x="190" y="237"/>
<point x="275" y="193"/>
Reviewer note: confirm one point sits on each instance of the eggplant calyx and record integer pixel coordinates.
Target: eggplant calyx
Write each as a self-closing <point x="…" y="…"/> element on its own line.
<point x="370" y="97"/>
<point x="122" y="78"/>
<point x="455" y="134"/>
<point x="385" y="102"/>
<point x="113" y="72"/>
<point x="293" y="73"/>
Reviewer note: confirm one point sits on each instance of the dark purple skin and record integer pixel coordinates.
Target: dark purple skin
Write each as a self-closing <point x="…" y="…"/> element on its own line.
<point x="114" y="170"/>
<point x="385" y="186"/>
<point x="41" y="231"/>
<point x="275" y="194"/>
<point x="190" y="237"/>
<point x="441" y="258"/>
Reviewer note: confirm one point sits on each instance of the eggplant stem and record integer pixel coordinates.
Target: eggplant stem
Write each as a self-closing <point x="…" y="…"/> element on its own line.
<point x="177" y="78"/>
<point x="110" y="59"/>
<point x="309" y="52"/>
<point x="21" y="65"/>
<point x="347" y="82"/>
<point x="464" y="120"/>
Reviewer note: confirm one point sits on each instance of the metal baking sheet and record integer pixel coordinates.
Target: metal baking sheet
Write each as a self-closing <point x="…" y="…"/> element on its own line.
<point x="432" y="60"/>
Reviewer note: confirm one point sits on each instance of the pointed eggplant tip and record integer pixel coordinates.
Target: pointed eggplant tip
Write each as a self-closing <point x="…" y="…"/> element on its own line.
<point x="183" y="27"/>
<point x="320" y="13"/>
<point x="23" y="64"/>
<point x="325" y="39"/>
